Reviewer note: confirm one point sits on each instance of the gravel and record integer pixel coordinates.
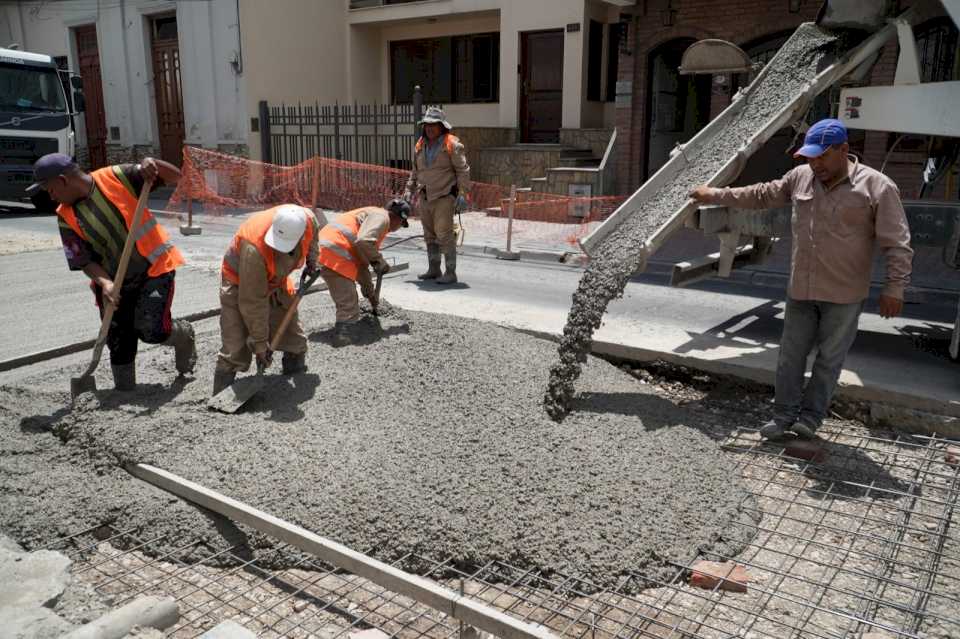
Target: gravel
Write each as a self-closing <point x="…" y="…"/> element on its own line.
<point x="430" y="440"/>
<point x="621" y="253"/>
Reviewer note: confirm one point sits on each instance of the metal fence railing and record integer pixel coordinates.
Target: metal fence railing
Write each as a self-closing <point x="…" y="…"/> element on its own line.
<point x="381" y="134"/>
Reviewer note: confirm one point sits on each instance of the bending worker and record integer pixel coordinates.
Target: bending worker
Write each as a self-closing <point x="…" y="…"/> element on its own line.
<point x="95" y="213"/>
<point x="256" y="290"/>
<point x="841" y="209"/>
<point x="441" y="174"/>
<point x="349" y="246"/>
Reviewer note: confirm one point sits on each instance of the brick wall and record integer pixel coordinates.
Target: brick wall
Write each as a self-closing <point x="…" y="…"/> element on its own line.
<point x="740" y="22"/>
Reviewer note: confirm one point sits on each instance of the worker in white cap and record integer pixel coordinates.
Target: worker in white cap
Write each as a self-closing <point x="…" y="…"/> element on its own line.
<point x="256" y="290"/>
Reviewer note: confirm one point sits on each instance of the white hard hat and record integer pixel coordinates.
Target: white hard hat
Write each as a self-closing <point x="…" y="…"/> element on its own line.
<point x="289" y="222"/>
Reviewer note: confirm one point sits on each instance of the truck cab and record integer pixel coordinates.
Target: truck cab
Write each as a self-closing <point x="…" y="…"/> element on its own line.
<point x="35" y="119"/>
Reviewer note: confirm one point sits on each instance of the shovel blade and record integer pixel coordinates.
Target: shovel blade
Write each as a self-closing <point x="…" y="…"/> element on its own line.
<point x="233" y="397"/>
<point x="82" y="384"/>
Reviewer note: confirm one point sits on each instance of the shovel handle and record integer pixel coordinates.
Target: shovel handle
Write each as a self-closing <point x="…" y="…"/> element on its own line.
<point x="305" y="283"/>
<point x="119" y="277"/>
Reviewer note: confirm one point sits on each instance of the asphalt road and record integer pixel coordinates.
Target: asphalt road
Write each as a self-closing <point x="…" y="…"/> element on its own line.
<point x="46" y="306"/>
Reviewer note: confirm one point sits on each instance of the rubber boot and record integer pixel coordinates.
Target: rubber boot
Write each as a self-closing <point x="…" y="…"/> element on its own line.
<point x="341" y="335"/>
<point x="294" y="363"/>
<point x="124" y="377"/>
<point x="433" y="263"/>
<point x="222" y="379"/>
<point x="450" y="276"/>
<point x="185" y="346"/>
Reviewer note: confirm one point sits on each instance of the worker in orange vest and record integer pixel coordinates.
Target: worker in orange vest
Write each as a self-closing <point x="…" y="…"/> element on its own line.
<point x="349" y="247"/>
<point x="256" y="290"/>
<point x="442" y="176"/>
<point x="95" y="214"/>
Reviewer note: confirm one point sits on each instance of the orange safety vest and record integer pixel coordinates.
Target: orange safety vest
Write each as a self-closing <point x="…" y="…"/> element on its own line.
<point x="254" y="230"/>
<point x="152" y="240"/>
<point x="338" y="244"/>
<point x="449" y="143"/>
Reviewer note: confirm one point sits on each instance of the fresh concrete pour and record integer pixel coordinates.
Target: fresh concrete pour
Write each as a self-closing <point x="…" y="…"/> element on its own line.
<point x="430" y="439"/>
<point x="621" y="254"/>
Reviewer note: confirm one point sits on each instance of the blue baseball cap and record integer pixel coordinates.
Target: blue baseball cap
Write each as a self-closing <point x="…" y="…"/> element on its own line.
<point x="820" y="137"/>
<point x="49" y="166"/>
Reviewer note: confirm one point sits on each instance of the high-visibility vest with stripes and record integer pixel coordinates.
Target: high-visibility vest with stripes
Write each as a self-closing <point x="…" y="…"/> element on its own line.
<point x="254" y="230"/>
<point x="152" y="240"/>
<point x="338" y="244"/>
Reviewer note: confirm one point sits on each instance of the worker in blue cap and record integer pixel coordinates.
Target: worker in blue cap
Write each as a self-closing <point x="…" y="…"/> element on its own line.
<point x="841" y="211"/>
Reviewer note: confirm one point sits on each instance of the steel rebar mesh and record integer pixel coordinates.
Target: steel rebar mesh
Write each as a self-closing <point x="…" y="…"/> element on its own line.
<point x="862" y="541"/>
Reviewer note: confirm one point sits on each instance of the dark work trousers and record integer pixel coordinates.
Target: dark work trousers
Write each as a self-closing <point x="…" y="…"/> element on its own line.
<point x="143" y="314"/>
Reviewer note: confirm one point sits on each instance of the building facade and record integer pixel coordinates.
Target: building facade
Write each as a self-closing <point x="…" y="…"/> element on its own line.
<point x="156" y="74"/>
<point x="656" y="107"/>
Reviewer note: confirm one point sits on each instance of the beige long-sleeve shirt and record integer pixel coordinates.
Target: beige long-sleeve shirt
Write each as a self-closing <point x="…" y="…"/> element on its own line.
<point x="446" y="170"/>
<point x="836" y="230"/>
<point x="254" y="295"/>
<point x="374" y="224"/>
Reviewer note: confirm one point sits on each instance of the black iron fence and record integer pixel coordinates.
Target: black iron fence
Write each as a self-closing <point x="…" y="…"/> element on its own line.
<point x="381" y="134"/>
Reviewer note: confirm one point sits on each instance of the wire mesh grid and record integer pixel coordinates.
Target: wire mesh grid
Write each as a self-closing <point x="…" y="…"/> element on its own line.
<point x="861" y="541"/>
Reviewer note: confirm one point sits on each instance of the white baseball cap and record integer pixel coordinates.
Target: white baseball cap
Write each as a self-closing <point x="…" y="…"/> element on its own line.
<point x="289" y="222"/>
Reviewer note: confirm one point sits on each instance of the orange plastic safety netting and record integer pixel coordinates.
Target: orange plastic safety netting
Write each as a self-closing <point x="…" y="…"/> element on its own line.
<point x="220" y="183"/>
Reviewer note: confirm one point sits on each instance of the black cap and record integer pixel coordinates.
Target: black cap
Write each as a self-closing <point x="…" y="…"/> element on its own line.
<point x="49" y="166"/>
<point x="401" y="207"/>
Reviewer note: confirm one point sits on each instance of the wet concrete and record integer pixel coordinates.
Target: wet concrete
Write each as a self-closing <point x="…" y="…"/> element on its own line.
<point x="430" y="441"/>
<point x="621" y="253"/>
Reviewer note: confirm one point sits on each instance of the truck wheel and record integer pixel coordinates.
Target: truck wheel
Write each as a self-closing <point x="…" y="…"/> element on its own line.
<point x="42" y="203"/>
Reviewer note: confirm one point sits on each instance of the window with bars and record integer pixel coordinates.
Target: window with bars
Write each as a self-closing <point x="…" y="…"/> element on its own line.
<point x="937" y="49"/>
<point x="937" y="44"/>
<point x="455" y="69"/>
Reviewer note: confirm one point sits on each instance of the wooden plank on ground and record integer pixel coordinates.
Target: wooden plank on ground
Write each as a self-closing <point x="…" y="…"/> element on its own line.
<point x="422" y="590"/>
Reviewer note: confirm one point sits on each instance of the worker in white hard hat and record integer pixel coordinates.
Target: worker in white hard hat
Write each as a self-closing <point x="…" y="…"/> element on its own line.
<point x="256" y="290"/>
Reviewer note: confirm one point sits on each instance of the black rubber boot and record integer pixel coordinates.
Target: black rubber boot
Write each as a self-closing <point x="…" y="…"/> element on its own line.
<point x="294" y="363"/>
<point x="450" y="276"/>
<point x="185" y="346"/>
<point x="341" y="335"/>
<point x="433" y="263"/>
<point x="222" y="379"/>
<point x="124" y="377"/>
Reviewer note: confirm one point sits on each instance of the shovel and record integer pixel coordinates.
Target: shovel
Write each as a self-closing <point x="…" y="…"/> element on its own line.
<point x="233" y="397"/>
<point x="376" y="294"/>
<point x="86" y="382"/>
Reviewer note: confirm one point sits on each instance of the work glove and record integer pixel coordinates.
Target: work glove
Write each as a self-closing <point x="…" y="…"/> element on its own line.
<point x="461" y="203"/>
<point x="264" y="356"/>
<point x="381" y="267"/>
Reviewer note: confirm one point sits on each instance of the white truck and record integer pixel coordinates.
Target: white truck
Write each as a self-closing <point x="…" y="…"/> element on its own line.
<point x="36" y="118"/>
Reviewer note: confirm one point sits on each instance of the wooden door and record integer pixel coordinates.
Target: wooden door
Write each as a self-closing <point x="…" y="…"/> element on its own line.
<point x="165" y="51"/>
<point x="95" y="121"/>
<point x="541" y="86"/>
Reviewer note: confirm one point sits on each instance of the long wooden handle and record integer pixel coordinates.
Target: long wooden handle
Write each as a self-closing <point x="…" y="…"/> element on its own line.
<point x="121" y="273"/>
<point x="275" y="342"/>
<point x="305" y="284"/>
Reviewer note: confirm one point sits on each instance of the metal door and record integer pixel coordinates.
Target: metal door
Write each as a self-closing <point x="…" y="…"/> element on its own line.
<point x="94" y="118"/>
<point x="541" y="88"/>
<point x="165" y="51"/>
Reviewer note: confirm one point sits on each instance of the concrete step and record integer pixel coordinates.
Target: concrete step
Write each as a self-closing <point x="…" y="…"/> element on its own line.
<point x="575" y="153"/>
<point x="590" y="162"/>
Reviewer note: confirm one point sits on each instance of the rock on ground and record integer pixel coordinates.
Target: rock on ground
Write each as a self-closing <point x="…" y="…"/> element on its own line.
<point x="427" y="442"/>
<point x="32" y="579"/>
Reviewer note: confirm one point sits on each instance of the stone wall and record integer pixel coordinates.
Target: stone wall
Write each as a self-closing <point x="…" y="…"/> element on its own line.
<point x="513" y="164"/>
<point x="594" y="139"/>
<point x="481" y="137"/>
<point x="120" y="154"/>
